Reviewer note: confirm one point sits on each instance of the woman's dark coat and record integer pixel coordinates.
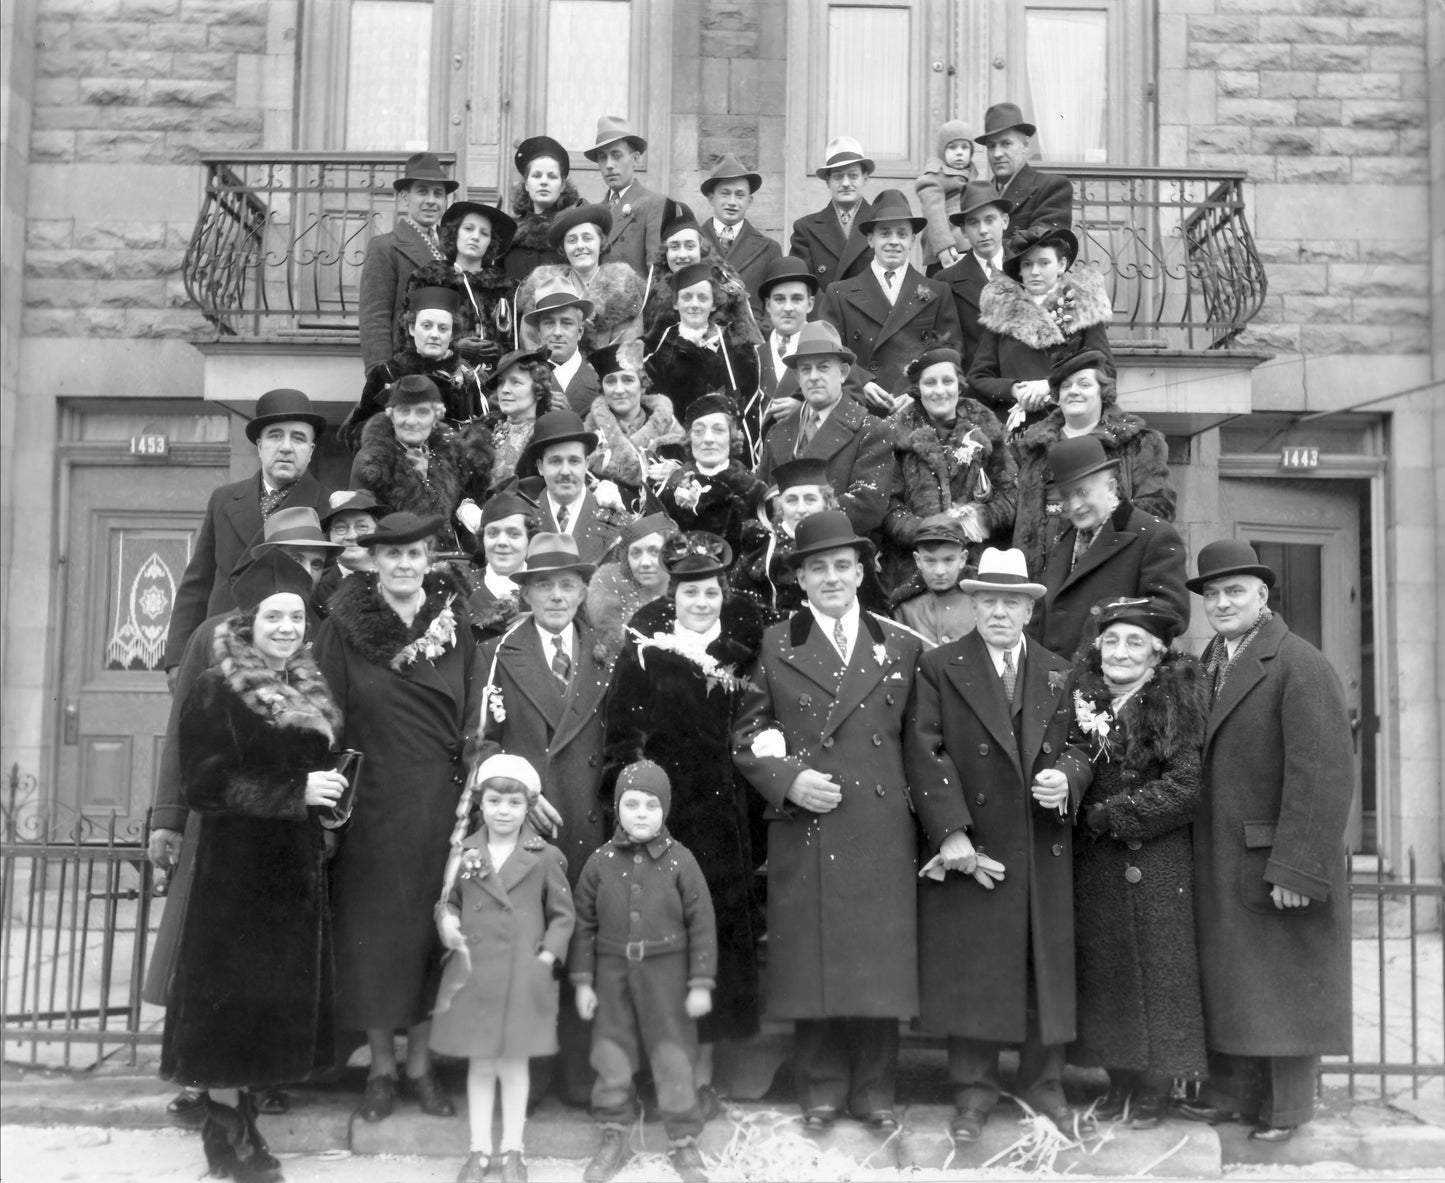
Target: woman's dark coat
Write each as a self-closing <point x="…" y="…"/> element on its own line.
<point x="730" y="502"/>
<point x="685" y="371"/>
<point x="490" y="616"/>
<point x="413" y="725"/>
<point x="529" y="248"/>
<point x="1278" y="781"/>
<point x="661" y="708"/>
<point x="249" y="995"/>
<point x="1138" y="963"/>
<point x="1143" y="476"/>
<point x="478" y="337"/>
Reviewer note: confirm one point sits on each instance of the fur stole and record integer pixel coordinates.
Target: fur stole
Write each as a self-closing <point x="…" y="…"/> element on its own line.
<point x="736" y="646"/>
<point x="1006" y="308"/>
<point x="296" y="698"/>
<point x="372" y="627"/>
<point x="623" y="451"/>
<point x="381" y="466"/>
<point x="1164" y="719"/>
<point x="917" y="443"/>
<point x="733" y="314"/>
<point x="533" y="228"/>
<point x="615" y="292"/>
<point x="1115" y="430"/>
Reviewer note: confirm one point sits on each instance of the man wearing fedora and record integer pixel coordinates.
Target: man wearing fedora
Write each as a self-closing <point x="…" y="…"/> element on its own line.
<point x="830" y="426"/>
<point x="983" y="216"/>
<point x="421" y="197"/>
<point x="1038" y="198"/>
<point x="830" y="242"/>
<point x="636" y="231"/>
<point x="729" y="189"/>
<point x="556" y="321"/>
<point x="285" y="429"/>
<point x="820" y="736"/>
<point x="996" y="771"/>
<point x="558" y="452"/>
<point x="1271" y="900"/>
<point x="1110" y="548"/>
<point x="548" y="676"/>
<point x="889" y="313"/>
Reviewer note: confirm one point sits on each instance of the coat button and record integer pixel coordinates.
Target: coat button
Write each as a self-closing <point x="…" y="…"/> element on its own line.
<point x="888" y="698"/>
<point x="879" y="789"/>
<point x="456" y="780"/>
<point x="827" y="741"/>
<point x="823" y="270"/>
<point x="635" y="916"/>
<point x="474" y="940"/>
<point x="591" y="815"/>
<point x="1048" y="747"/>
<point x="980" y="799"/>
<point x="1133" y="844"/>
<point x="877" y="740"/>
<point x="1133" y="874"/>
<point x="637" y="889"/>
<point x="1058" y="849"/>
<point x="592" y="761"/>
<point x="805" y="701"/>
<point x="637" y="858"/>
<point x="983" y="749"/>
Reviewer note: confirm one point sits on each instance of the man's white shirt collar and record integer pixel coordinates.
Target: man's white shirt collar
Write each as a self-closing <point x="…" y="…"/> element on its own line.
<point x="548" y="638"/>
<point x="890" y="292"/>
<point x="574" y="511"/>
<point x="995" y="261"/>
<point x="997" y="656"/>
<point x="850" y="621"/>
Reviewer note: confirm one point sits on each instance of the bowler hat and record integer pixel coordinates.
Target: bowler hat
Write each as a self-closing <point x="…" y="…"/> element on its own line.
<point x="787" y="270"/>
<point x="1148" y="614"/>
<point x="940" y="527"/>
<point x="730" y="168"/>
<point x="295" y="525"/>
<point x="818" y="338"/>
<point x="534" y="146"/>
<point x="397" y="529"/>
<point x="503" y="226"/>
<point x="579" y="215"/>
<point x="696" y="554"/>
<point x="840" y="153"/>
<point x="506" y="766"/>
<point x="517" y="357"/>
<point x="999" y="118"/>
<point x="891" y="206"/>
<point x="412" y="391"/>
<point x="677" y="216"/>
<point x="610" y="129"/>
<point x="619" y="356"/>
<point x="268" y="575"/>
<point x="559" y="293"/>
<point x="439" y="298"/>
<point x="644" y="777"/>
<point x="424" y="166"/>
<point x="1005" y="571"/>
<point x="283" y="405"/>
<point x="557" y="427"/>
<point x="805" y="470"/>
<point x="1020" y="244"/>
<point x="1228" y="556"/>
<point x="976" y="195"/>
<point x="932" y="357"/>
<point x="359" y="501"/>
<point x="828" y="530"/>
<point x="1088" y="359"/>
<point x="1073" y="459"/>
<point x="551" y="554"/>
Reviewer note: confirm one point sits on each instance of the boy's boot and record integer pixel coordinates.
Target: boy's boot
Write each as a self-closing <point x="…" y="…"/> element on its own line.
<point x="611" y="1156"/>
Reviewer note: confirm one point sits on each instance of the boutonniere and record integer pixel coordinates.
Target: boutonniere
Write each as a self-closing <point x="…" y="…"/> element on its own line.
<point x="439" y="636"/>
<point x="1057" y="680"/>
<point x="1095" y="722"/>
<point x="627" y="210"/>
<point x="492" y="701"/>
<point x="880" y="654"/>
<point x="474" y="864"/>
<point x="923" y="293"/>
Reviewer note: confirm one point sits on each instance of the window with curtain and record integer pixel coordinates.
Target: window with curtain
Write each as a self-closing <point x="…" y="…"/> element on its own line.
<point x="388" y="79"/>
<point x="870" y="49"/>
<point x="1067" y="64"/>
<point x="589" y="67"/>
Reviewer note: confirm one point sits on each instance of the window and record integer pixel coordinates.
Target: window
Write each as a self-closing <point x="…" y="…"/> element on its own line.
<point x="388" y="75"/>
<point x="1067" y="71"/>
<point x="866" y="44"/>
<point x="584" y="83"/>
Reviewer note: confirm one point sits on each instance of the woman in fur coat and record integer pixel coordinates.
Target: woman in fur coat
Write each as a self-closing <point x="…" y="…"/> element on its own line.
<point x="1088" y="404"/>
<point x="683" y="244"/>
<point x="674" y="693"/>
<point x="951" y="459"/>
<point x="397" y="653"/>
<point x="248" y="1002"/>
<point x="543" y="192"/>
<point x="1041" y="310"/>
<point x="635" y="428"/>
<point x="1140" y="1012"/>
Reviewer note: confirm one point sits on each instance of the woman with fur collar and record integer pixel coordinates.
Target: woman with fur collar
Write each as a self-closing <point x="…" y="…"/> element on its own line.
<point x="1140" y="1012"/>
<point x="674" y="693"/>
<point x="397" y="652"/>
<point x="1087" y="398"/>
<point x="633" y="426"/>
<point x="951" y="459"/>
<point x="683" y="244"/>
<point x="1040" y="310"/>
<point x="542" y="193"/>
<point x="248" y="1002"/>
<point x="411" y="460"/>
<point x="624" y="584"/>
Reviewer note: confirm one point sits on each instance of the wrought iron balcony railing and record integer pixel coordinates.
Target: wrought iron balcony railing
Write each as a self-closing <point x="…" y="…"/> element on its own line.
<point x="281" y="237"/>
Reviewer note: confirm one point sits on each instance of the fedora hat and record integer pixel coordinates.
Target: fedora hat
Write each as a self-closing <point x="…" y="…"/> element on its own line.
<point x="508" y="360"/>
<point x="296" y="525"/>
<point x="1020" y="244"/>
<point x="610" y="129"/>
<point x="559" y="293"/>
<point x="1142" y="611"/>
<point x="412" y="391"/>
<point x="503" y="226"/>
<point x="696" y="554"/>
<point x="397" y="529"/>
<point x="269" y="575"/>
<point x="424" y="166"/>
<point x="932" y="357"/>
<point x="824" y="531"/>
<point x="787" y="270"/>
<point x="840" y="153"/>
<point x="976" y="195"/>
<point x="557" y="427"/>
<point x="534" y="146"/>
<point x="676" y="217"/>
<point x="1228" y="556"/>
<point x="283" y="405"/>
<point x="1073" y="459"/>
<point x="357" y="501"/>
<point x="550" y="554"/>
<point x="999" y="118"/>
<point x="1003" y="570"/>
<point x="730" y="168"/>
<point x="1088" y="359"/>
<point x="579" y="215"/>
<point x="891" y="206"/>
<point x="818" y="338"/>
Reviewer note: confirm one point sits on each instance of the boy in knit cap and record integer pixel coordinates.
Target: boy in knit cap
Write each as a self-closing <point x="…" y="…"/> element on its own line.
<point x="643" y="962"/>
<point x="940" y="189"/>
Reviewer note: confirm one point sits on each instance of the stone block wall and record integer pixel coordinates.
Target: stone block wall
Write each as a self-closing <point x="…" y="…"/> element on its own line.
<point x="1322" y="102"/>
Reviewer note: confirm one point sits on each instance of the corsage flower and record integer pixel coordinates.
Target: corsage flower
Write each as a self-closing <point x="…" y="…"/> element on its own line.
<point x="769" y="744"/>
<point x="492" y="701"/>
<point x="473" y="864"/>
<point x="1095" y="722"/>
<point x="439" y="636"/>
<point x="923" y="293"/>
<point x="689" y="492"/>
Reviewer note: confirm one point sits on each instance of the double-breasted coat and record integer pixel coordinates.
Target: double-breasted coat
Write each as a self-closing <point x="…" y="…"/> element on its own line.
<point x="886" y="337"/>
<point x="750" y="255"/>
<point x="831" y="255"/>
<point x="842" y="886"/>
<point x="971" y="756"/>
<point x="390" y="260"/>
<point x="1278" y="781"/>
<point x="1038" y="198"/>
<point x="500" y="1001"/>
<point x="559" y="731"/>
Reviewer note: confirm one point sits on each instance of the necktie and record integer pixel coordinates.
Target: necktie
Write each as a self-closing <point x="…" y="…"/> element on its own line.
<point x="840" y="638"/>
<point x="271" y="499"/>
<point x="810" y="427"/>
<point x="561" y="663"/>
<point x="888" y="278"/>
<point x="1083" y="539"/>
<point x="725" y="239"/>
<point x="988" y="269"/>
<point x="564" y="515"/>
<point x="611" y="198"/>
<point x="1010" y="675"/>
<point x="844" y="217"/>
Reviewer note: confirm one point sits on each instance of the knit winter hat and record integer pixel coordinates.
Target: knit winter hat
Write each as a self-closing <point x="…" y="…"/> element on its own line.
<point x="954" y="129"/>
<point x="645" y="777"/>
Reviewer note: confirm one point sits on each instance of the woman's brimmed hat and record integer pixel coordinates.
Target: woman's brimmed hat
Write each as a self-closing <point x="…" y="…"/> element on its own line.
<point x="558" y="294"/>
<point x="933" y="357"/>
<point x="999" y="118"/>
<point x="891" y="206"/>
<point x="1020" y="244"/>
<point x="1005" y="571"/>
<point x="579" y="215"/>
<point x="271" y="574"/>
<point x="551" y="554"/>
<point x="1154" y="618"/>
<point x="397" y="529"/>
<point x="503" y="226"/>
<point x="517" y="357"/>
<point x="283" y="405"/>
<point x="413" y="390"/>
<point x="1089" y="359"/>
<point x="557" y="427"/>
<point x="1073" y="459"/>
<point x="1228" y="556"/>
<point x="730" y="168"/>
<point x="295" y="526"/>
<point x="840" y="153"/>
<point x="976" y="195"/>
<point x="696" y="554"/>
<point x="610" y="129"/>
<point x="818" y="338"/>
<point x="787" y="270"/>
<point x="534" y="146"/>
<point x="824" y="531"/>
<point x="508" y="767"/>
<point x="353" y="501"/>
<point x="424" y="166"/>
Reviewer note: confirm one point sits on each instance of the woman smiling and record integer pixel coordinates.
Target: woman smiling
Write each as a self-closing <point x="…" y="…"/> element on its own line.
<point x="614" y="289"/>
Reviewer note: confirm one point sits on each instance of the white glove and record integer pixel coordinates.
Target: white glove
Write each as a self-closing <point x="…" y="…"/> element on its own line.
<point x="469" y="516"/>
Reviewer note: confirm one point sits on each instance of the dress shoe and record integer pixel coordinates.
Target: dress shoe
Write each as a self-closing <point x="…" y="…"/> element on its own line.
<point x="1203" y="1111"/>
<point x="1112" y="1103"/>
<point x="273" y="1102"/>
<point x="514" y="1170"/>
<point x="884" y="1121"/>
<point x="1146" y="1111"/>
<point x="426" y="1090"/>
<point x="819" y="1118"/>
<point x="188" y="1107"/>
<point x="475" y="1169"/>
<point x="378" y="1099"/>
<point x="1063" y="1117"/>
<point x="687" y="1162"/>
<point x="967" y="1125"/>
<point x="1271" y="1133"/>
<point x="610" y="1158"/>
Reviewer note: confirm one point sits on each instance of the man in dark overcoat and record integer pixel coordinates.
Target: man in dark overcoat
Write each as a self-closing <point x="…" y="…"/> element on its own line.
<point x="1039" y="198"/>
<point x="983" y="216"/>
<point x="829" y="241"/>
<point x="1109" y="550"/>
<point x="558" y="452"/>
<point x="819" y="735"/>
<point x="636" y="232"/>
<point x="729" y="189"/>
<point x="1271" y="899"/>
<point x="996" y="771"/>
<point x="545" y="681"/>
